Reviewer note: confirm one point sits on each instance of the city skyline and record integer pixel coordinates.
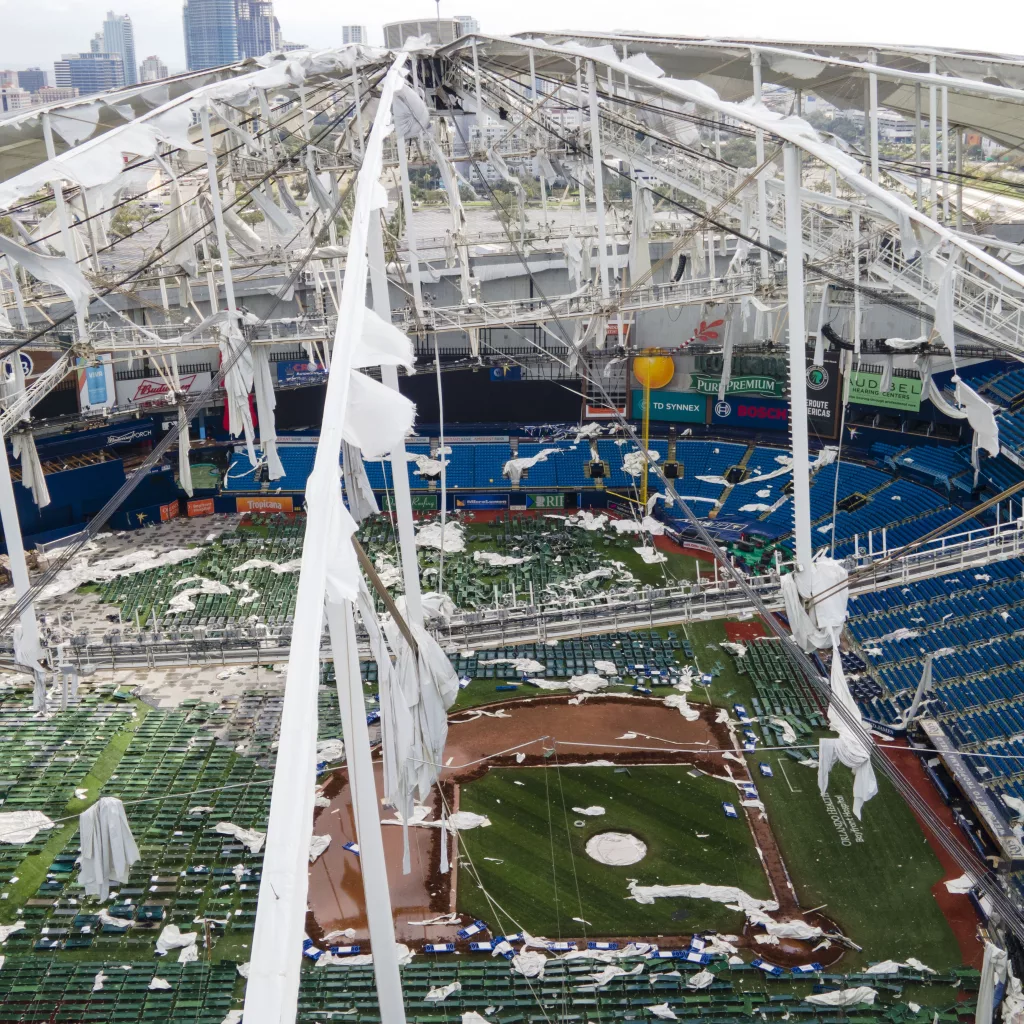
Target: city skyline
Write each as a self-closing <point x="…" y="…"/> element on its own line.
<point x="48" y="28"/>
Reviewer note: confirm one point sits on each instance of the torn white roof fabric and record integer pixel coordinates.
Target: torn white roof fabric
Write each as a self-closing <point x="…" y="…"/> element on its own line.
<point x="108" y="846"/>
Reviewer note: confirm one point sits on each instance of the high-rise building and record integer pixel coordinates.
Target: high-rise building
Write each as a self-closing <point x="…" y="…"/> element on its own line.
<point x="468" y="23"/>
<point x="256" y="26"/>
<point x="13" y="98"/>
<point x="55" y="94"/>
<point x="89" y="72"/>
<point x="354" y="34"/>
<point x="96" y="43"/>
<point x="32" y="79"/>
<point x="211" y="33"/>
<point x="119" y="38"/>
<point x="152" y="69"/>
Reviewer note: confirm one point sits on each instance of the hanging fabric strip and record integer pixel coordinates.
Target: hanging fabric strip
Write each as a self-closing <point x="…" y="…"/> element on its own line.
<point x="266" y="403"/>
<point x="362" y="502"/>
<point x="819" y="338"/>
<point x="237" y="381"/>
<point x="329" y="571"/>
<point x="184" y="466"/>
<point x="23" y="446"/>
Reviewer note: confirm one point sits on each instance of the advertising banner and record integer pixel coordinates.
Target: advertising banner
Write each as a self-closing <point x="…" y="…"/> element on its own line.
<point x="671" y="406"/>
<point x="751" y="413"/>
<point x="506" y="373"/>
<point x="420" y="502"/>
<point x="95" y="383"/>
<point x="169" y="511"/>
<point x="154" y="390"/>
<point x="199" y="507"/>
<point x="769" y="387"/>
<point x="482" y="501"/>
<point x="277" y="503"/>
<point x="303" y="372"/>
<point x="904" y="395"/>
<point x="545" y="501"/>
<point x="823" y="397"/>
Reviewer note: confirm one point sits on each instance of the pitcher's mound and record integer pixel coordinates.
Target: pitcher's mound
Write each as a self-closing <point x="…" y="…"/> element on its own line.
<point x="618" y="848"/>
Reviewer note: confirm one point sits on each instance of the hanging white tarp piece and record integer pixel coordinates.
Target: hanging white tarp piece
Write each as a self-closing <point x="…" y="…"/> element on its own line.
<point x="23" y="447"/>
<point x="374" y="418"/>
<point x="108" y="846"/>
<point x="266" y="402"/>
<point x="851" y="746"/>
<point x="184" y="443"/>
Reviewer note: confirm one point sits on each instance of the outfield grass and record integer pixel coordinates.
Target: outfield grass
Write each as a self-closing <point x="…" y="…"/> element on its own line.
<point x="877" y="890"/>
<point x="542" y="877"/>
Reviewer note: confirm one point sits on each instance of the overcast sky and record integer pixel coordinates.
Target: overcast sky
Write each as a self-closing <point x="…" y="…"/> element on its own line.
<point x="36" y="32"/>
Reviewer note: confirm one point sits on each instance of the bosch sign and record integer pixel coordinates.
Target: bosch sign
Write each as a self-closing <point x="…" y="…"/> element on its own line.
<point x="763" y="415"/>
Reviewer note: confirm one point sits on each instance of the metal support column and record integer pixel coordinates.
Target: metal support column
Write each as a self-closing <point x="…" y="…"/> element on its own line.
<point x="362" y="789"/>
<point x="16" y="557"/>
<point x="762" y="194"/>
<point x="797" y="359"/>
<point x="933" y="139"/>
<point x="595" y="151"/>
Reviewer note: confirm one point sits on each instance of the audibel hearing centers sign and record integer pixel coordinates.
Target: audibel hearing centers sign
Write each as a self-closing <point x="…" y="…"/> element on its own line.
<point x="904" y="393"/>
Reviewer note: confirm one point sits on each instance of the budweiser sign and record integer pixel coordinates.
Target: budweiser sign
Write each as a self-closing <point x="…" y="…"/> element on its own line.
<point x="153" y="389"/>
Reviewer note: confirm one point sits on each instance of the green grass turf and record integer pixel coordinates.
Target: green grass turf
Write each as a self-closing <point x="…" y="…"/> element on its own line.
<point x="878" y="890"/>
<point x="532" y="826"/>
<point x="32" y="870"/>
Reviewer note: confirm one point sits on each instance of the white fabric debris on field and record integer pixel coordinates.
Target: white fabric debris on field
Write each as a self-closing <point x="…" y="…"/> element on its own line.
<point x="651" y="556"/>
<point x="739" y="650"/>
<point x="108" y="846"/>
<point x="330" y="750"/>
<point x="960" y="886"/>
<point x="586" y="683"/>
<point x="457" y="821"/>
<point x="529" y="963"/>
<point x="514" y="467"/>
<point x="844" y="997"/>
<point x="493" y="559"/>
<point x="616" y="848"/>
<point x="171" y="937"/>
<point x="727" y="894"/>
<point x="702" y="979"/>
<point x="18" y="827"/>
<point x="317" y="845"/>
<point x="663" y="1011"/>
<point x="182" y="601"/>
<point x="249" y="838"/>
<point x="79" y="571"/>
<point x="633" y="462"/>
<point x="591" y="812"/>
<point x="7" y="930"/>
<point x="526" y="666"/>
<point x="159" y="985"/>
<point x="429" y="536"/>
<point x="440" y="993"/>
<point x="277" y="568"/>
<point x="678" y="700"/>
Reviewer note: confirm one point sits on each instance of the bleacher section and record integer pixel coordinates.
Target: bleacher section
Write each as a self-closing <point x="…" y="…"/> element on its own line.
<point x="973" y="621"/>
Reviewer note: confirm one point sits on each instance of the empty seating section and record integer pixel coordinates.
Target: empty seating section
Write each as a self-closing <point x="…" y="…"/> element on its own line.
<point x="973" y="621"/>
<point x="44" y="989"/>
<point x="460" y="471"/>
<point x="543" y="474"/>
<point x="1011" y="430"/>
<point x="1005" y="388"/>
<point x="488" y="462"/>
<point x="938" y="465"/>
